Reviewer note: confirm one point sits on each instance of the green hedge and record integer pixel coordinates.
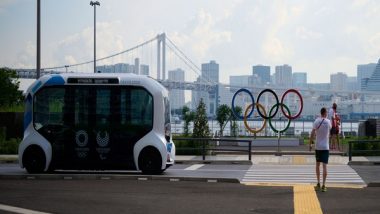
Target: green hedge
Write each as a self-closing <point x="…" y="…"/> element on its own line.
<point x="8" y="146"/>
<point x="188" y="147"/>
<point x="365" y="146"/>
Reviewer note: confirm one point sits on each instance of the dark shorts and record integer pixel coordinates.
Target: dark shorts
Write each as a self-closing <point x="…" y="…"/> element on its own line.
<point x="334" y="131"/>
<point x="322" y="156"/>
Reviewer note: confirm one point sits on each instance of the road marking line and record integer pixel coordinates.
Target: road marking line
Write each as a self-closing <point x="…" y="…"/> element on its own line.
<point x="142" y="179"/>
<point x="19" y="210"/>
<point x="299" y="160"/>
<point x="258" y="183"/>
<point x="306" y="200"/>
<point x="105" y="178"/>
<point x="174" y="179"/>
<point x="212" y="181"/>
<point x="194" y="167"/>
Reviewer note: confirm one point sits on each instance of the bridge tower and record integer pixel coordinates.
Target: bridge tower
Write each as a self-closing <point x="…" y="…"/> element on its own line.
<point x="161" y="42"/>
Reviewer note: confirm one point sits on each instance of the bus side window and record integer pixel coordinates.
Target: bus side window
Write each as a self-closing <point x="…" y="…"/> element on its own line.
<point x="48" y="107"/>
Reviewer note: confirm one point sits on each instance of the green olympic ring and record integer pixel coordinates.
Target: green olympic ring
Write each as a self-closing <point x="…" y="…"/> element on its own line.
<point x="270" y="120"/>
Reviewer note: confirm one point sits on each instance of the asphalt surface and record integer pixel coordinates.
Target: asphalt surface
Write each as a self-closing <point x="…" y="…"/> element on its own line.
<point x="131" y="196"/>
<point x="126" y="196"/>
<point x="369" y="173"/>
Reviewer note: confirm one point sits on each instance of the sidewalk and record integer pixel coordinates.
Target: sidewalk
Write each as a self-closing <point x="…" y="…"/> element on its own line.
<point x="281" y="160"/>
<point x="256" y="159"/>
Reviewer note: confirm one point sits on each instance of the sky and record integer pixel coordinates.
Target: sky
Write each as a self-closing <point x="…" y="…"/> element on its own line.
<point x="320" y="37"/>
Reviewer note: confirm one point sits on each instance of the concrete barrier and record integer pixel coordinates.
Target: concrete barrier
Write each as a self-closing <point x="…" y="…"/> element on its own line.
<point x="274" y="142"/>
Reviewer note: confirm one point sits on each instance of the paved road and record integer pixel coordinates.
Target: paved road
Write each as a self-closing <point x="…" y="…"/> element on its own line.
<point x="131" y="196"/>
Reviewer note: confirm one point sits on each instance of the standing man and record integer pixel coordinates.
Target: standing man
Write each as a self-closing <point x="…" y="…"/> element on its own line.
<point x="335" y="122"/>
<point x="321" y="129"/>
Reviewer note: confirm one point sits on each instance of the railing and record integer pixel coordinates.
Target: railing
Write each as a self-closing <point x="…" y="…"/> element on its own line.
<point x="203" y="141"/>
<point x="351" y="149"/>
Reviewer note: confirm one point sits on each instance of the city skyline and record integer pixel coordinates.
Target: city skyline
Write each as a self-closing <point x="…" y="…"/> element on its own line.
<point x="319" y="37"/>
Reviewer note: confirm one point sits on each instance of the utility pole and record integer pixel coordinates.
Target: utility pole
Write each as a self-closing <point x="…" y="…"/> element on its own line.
<point x="38" y="39"/>
<point x="94" y="3"/>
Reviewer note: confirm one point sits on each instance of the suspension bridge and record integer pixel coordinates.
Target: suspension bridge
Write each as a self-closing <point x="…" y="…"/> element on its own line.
<point x="158" y="56"/>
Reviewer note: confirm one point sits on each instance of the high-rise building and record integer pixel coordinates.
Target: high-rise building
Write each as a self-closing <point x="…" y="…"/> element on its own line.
<point x="373" y="83"/>
<point x="338" y="81"/>
<point x="352" y="84"/>
<point x="283" y="76"/>
<point x="210" y="71"/>
<point x="177" y="96"/>
<point x="242" y="80"/>
<point x="263" y="72"/>
<point x="364" y="71"/>
<point x="299" y="79"/>
<point x="144" y="70"/>
<point x="210" y="75"/>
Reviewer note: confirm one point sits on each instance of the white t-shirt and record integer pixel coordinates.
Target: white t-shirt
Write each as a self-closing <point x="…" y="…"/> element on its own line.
<point x="331" y="113"/>
<point x="322" y="133"/>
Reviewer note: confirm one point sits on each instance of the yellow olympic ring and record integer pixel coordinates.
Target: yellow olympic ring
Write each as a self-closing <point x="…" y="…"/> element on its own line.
<point x="254" y="131"/>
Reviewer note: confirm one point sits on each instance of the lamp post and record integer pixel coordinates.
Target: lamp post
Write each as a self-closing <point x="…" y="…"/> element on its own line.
<point x="38" y="63"/>
<point x="94" y="3"/>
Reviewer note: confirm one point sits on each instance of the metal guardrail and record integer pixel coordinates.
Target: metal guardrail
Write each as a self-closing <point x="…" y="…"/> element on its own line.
<point x="351" y="149"/>
<point x="203" y="141"/>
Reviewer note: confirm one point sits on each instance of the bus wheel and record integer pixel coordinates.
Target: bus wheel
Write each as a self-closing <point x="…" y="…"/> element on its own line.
<point x="150" y="161"/>
<point x="34" y="159"/>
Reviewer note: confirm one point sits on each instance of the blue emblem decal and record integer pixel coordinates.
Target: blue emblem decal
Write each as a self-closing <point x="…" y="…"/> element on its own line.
<point x="169" y="147"/>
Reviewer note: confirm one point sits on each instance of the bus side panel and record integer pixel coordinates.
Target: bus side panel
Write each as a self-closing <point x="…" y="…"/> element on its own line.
<point x="151" y="139"/>
<point x="34" y="138"/>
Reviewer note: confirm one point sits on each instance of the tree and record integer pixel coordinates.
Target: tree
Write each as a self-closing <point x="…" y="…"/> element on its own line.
<point x="187" y="116"/>
<point x="223" y="114"/>
<point x="9" y="84"/>
<point x="201" y="128"/>
<point x="234" y="127"/>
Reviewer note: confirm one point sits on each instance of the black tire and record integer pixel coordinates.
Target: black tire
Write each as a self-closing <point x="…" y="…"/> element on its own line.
<point x="150" y="161"/>
<point x="34" y="159"/>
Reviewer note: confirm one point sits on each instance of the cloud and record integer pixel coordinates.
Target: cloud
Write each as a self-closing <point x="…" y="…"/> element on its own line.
<point x="203" y="35"/>
<point x="206" y="34"/>
<point x="79" y="46"/>
<point x="374" y="44"/>
<point x="276" y="50"/>
<point x="27" y="57"/>
<point x="304" y="33"/>
<point x="4" y="4"/>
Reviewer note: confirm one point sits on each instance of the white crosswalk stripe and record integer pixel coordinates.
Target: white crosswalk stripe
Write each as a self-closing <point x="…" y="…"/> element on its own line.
<point x="300" y="174"/>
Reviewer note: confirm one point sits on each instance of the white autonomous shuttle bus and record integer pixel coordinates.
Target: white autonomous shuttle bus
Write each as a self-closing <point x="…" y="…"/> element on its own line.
<point x="96" y="121"/>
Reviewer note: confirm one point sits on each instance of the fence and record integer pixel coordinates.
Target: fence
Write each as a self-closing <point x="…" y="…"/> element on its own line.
<point x="364" y="144"/>
<point x="204" y="141"/>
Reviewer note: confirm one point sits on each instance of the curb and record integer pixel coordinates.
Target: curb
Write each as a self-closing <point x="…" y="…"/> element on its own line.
<point x="8" y="161"/>
<point x="216" y="162"/>
<point x="115" y="177"/>
<point x="364" y="163"/>
<point x="374" y="184"/>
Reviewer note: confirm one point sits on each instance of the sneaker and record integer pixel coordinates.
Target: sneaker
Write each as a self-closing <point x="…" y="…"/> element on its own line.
<point x="317" y="187"/>
<point x="324" y="189"/>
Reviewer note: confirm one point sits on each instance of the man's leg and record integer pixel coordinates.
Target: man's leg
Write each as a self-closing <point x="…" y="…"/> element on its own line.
<point x="324" y="173"/>
<point x="317" y="171"/>
<point x="333" y="138"/>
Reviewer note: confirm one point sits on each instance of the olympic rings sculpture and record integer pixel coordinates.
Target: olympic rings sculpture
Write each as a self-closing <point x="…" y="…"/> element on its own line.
<point x="261" y="110"/>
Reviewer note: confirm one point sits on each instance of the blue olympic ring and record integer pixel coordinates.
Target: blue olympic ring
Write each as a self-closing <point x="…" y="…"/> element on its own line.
<point x="233" y="103"/>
